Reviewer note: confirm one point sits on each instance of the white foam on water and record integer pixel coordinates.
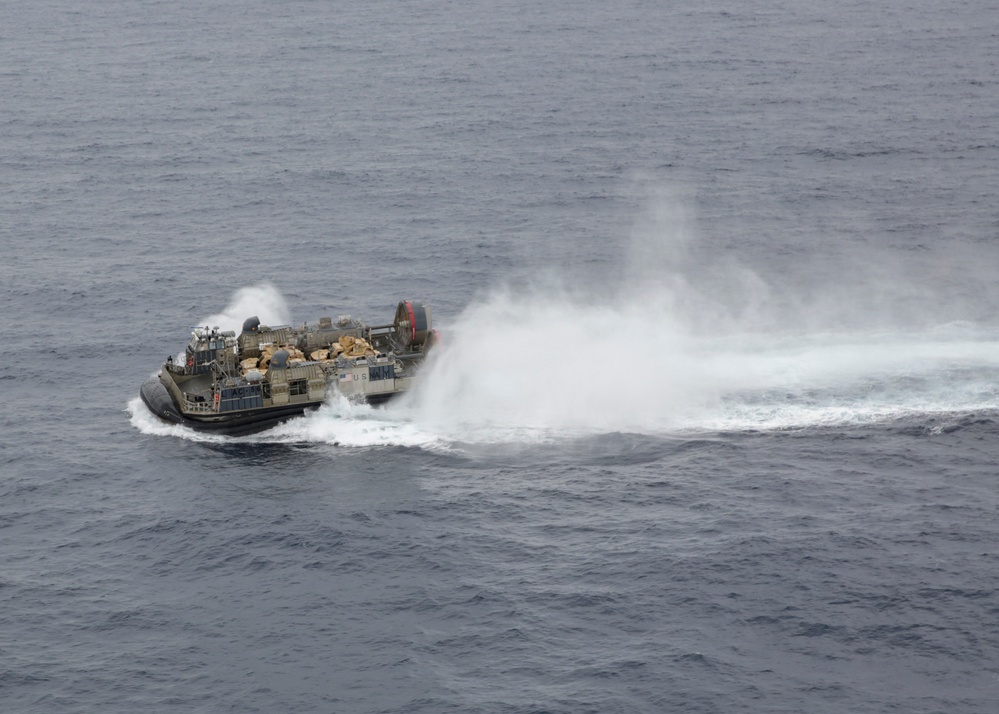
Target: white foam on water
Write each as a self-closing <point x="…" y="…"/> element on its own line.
<point x="338" y="422"/>
<point x="347" y="424"/>
<point x="858" y="379"/>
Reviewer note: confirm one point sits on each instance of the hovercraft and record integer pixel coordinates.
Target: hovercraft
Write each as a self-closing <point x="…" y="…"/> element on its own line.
<point x="232" y="385"/>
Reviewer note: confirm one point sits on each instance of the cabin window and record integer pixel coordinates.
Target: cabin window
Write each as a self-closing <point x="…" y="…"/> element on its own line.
<point x="298" y="386"/>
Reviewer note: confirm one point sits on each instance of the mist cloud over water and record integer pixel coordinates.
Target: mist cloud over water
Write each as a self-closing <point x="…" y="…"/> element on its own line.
<point x="263" y="300"/>
<point x="684" y="340"/>
<point x="540" y="364"/>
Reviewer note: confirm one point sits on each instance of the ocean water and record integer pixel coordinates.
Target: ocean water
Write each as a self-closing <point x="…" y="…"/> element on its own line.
<point x="715" y="427"/>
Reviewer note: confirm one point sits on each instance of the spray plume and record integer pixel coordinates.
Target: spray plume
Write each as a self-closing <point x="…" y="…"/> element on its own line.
<point x="263" y="300"/>
<point x="684" y="342"/>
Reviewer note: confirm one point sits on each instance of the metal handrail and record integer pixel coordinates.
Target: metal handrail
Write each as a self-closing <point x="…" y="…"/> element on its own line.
<point x="199" y="407"/>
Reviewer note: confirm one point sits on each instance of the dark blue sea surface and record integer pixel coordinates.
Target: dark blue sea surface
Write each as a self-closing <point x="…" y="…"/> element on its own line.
<point x="715" y="426"/>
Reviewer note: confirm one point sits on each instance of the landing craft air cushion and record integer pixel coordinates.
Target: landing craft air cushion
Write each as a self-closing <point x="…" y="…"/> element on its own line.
<point x="232" y="385"/>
